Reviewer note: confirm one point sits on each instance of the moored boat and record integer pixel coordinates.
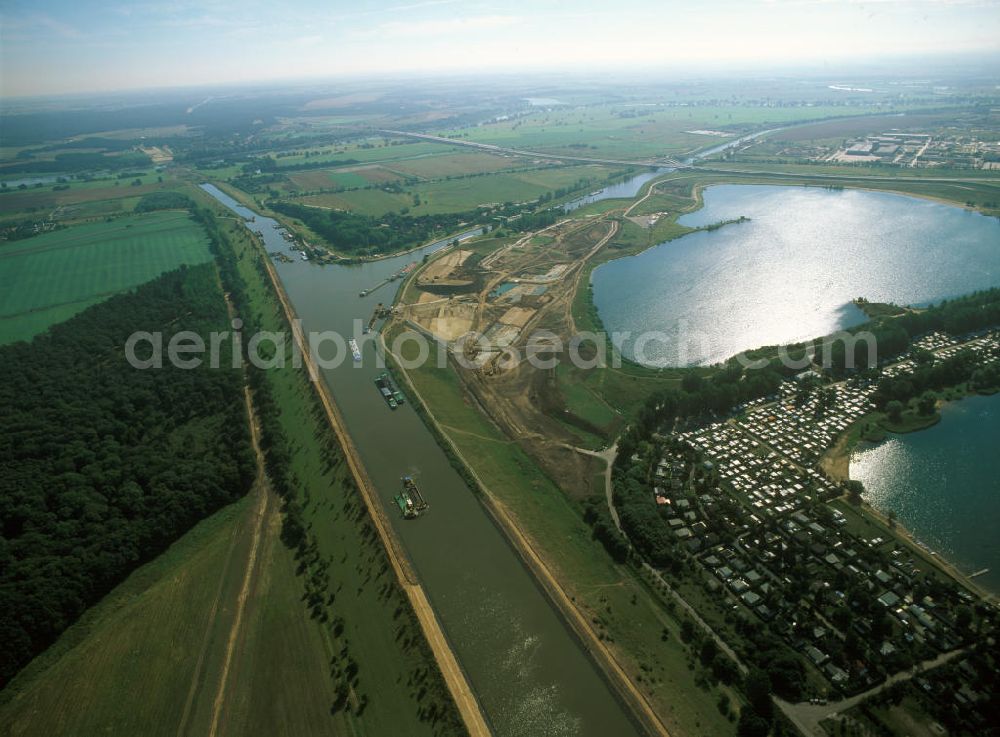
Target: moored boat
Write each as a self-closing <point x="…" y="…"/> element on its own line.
<point x="412" y="493"/>
<point x="389" y="393"/>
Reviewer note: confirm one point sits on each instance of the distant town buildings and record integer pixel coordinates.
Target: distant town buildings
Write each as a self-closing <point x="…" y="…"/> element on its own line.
<point x="919" y="150"/>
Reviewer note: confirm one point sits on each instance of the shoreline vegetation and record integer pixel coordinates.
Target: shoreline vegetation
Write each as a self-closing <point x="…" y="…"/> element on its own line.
<point x="879" y="309"/>
<point x="705" y="175"/>
<point x="723" y="223"/>
<point x="541" y="568"/>
<point x="331" y="584"/>
<point x="874" y="429"/>
<point x="461" y="694"/>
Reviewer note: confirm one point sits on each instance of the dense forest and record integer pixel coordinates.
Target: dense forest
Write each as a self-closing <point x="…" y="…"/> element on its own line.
<point x="105" y="465"/>
<point x="361" y="234"/>
<point x="64" y="163"/>
<point x="165" y="200"/>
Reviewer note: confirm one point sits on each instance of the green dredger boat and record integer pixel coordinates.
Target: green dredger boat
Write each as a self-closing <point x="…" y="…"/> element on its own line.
<point x="410" y="501"/>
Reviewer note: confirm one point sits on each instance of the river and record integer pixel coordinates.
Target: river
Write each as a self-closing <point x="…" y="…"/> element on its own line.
<point x="630" y="187"/>
<point x="943" y="484"/>
<point x="623" y="190"/>
<point x="528" y="669"/>
<point x="790" y="273"/>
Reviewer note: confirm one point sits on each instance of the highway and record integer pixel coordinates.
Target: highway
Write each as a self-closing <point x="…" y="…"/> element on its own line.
<point x="663" y="162"/>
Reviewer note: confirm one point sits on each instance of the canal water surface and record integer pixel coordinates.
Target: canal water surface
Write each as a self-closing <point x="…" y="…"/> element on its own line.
<point x="530" y="672"/>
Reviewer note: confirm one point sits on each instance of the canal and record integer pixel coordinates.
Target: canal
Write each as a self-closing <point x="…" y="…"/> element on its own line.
<point x="631" y="186"/>
<point x="529" y="670"/>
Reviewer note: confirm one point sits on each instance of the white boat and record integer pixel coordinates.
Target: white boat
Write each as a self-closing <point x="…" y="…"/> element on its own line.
<point x="354" y="349"/>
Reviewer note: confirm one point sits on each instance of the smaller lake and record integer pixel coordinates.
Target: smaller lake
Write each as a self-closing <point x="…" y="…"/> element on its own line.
<point x="943" y="484"/>
<point x="631" y="186"/>
<point x="623" y="190"/>
<point x="790" y="273"/>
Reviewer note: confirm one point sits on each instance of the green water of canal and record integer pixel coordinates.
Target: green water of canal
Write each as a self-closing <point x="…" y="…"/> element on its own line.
<point x="530" y="672"/>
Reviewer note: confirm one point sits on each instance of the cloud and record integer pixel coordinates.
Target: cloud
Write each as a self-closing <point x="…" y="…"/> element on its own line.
<point x="428" y="28"/>
<point x="36" y="25"/>
<point x="313" y="40"/>
<point x="418" y="5"/>
<point x="907" y="3"/>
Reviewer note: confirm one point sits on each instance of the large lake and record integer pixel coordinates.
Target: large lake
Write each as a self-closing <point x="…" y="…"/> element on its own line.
<point x="790" y="273"/>
<point x="943" y="483"/>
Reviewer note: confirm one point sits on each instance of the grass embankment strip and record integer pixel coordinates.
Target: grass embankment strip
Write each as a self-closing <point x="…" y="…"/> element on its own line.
<point x="612" y="609"/>
<point x="138" y="647"/>
<point x="454" y="677"/>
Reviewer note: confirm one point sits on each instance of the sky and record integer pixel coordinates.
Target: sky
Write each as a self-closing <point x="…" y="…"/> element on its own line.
<point x="58" y="46"/>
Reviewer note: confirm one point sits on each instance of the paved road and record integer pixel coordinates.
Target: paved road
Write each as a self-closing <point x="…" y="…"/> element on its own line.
<point x="847" y="177"/>
<point x="535" y="154"/>
<point x="608" y="456"/>
<point x="807" y="716"/>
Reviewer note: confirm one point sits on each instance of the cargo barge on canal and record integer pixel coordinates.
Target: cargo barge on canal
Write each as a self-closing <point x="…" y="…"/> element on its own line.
<point x="410" y="501"/>
<point x="392" y="396"/>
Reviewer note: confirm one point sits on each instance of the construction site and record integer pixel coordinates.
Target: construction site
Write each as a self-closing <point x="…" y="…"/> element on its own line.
<point x="499" y="298"/>
<point x="486" y="309"/>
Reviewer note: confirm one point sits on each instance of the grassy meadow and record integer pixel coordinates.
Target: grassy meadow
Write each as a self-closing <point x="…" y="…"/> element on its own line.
<point x="460" y="194"/>
<point x="639" y="131"/>
<point x="148" y="659"/>
<point x="50" y="277"/>
<point x="624" y="608"/>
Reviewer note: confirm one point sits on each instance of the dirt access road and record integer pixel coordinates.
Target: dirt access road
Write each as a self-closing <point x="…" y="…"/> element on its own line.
<point x="577" y="619"/>
<point x="461" y="692"/>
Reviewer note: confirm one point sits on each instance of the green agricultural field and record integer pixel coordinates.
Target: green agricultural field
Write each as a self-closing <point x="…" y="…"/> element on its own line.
<point x="450" y="165"/>
<point x="348" y="179"/>
<point x="436" y="163"/>
<point x="362" y="201"/>
<point x="456" y="195"/>
<point x="462" y="194"/>
<point x="51" y="277"/>
<point x="44" y="200"/>
<point x="369" y="151"/>
<point x="638" y="131"/>
<point x="339" y="178"/>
